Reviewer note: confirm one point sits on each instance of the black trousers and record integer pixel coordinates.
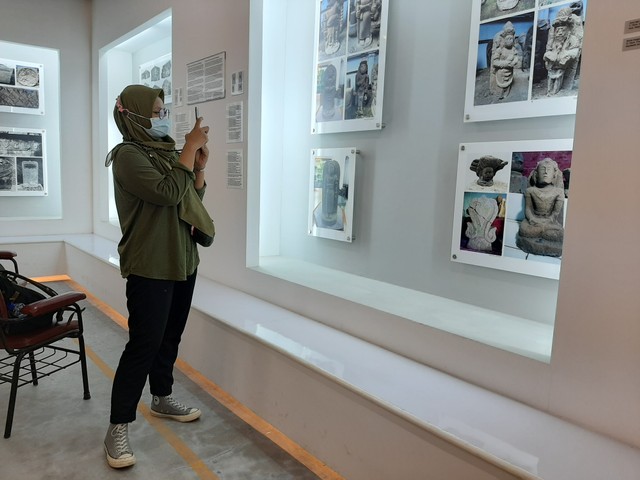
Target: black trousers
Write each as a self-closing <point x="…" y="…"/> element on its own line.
<point x="158" y="311"/>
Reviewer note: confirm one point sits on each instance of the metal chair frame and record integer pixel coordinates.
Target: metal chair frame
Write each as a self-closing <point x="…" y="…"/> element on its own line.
<point x="43" y="357"/>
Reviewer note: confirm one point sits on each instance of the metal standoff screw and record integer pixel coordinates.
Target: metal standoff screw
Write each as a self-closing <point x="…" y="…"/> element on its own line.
<point x="462" y="147"/>
<point x="454" y="256"/>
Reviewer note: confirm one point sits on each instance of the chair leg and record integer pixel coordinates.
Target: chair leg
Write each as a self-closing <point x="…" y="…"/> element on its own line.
<point x="12" y="395"/>
<point x="34" y="373"/>
<point x="83" y="365"/>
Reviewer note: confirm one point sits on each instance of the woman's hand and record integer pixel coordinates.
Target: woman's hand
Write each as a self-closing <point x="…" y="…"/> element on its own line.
<point x="198" y="136"/>
<point x="202" y="156"/>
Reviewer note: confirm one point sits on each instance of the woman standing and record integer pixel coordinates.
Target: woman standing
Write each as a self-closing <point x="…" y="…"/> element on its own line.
<point x="158" y="195"/>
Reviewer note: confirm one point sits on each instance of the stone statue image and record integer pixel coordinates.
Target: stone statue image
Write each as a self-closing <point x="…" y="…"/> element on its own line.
<point x="564" y="47"/>
<point x="541" y="232"/>
<point x="486" y="168"/>
<point x="362" y="87"/>
<point x="332" y="26"/>
<point x="367" y="13"/>
<point x="504" y="59"/>
<point x="328" y="95"/>
<point x="480" y="230"/>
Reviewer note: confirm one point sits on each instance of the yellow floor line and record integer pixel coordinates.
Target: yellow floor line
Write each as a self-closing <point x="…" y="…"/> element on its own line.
<point x="319" y="468"/>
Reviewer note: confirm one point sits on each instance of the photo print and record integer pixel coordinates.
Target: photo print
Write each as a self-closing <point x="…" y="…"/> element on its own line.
<point x="511" y="204"/>
<point x="157" y="74"/>
<point x="21" y="87"/>
<point x="22" y="162"/>
<point x="349" y="65"/>
<point x="331" y="193"/>
<point x="524" y="59"/>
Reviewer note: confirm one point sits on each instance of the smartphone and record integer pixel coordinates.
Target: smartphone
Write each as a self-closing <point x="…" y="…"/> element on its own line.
<point x="197" y="113"/>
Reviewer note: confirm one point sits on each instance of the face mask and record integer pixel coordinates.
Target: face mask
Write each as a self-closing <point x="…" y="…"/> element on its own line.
<point x="160" y="127"/>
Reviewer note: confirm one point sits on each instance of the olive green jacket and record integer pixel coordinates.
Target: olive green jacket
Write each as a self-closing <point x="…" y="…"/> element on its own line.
<point x="149" y="187"/>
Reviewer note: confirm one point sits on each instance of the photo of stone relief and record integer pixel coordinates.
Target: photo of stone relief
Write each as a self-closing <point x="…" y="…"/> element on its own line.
<point x="21" y="87"/>
<point x="157" y="74"/>
<point x="331" y="193"/>
<point x="511" y="202"/>
<point x="524" y="60"/>
<point x="349" y="65"/>
<point x="22" y="162"/>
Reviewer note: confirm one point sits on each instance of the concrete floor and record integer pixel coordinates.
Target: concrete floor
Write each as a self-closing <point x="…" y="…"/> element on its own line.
<point x="56" y="434"/>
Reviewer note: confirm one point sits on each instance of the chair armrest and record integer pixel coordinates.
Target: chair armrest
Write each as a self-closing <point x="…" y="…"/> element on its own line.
<point x="7" y="254"/>
<point x="52" y="304"/>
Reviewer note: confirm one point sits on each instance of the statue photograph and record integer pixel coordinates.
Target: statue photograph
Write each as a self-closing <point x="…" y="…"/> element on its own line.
<point x="483" y="223"/>
<point x="488" y="175"/>
<point x="558" y="61"/>
<point x="501" y="76"/>
<point x="542" y="232"/>
<point x="333" y="28"/>
<point x="364" y="24"/>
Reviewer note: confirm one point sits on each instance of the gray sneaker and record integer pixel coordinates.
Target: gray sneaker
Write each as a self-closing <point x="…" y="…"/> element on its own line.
<point x="116" y="446"/>
<point x="168" y="407"/>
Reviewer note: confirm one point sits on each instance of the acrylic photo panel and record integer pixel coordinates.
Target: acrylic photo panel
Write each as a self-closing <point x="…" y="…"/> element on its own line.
<point x="349" y="59"/>
<point x="524" y="59"/>
<point x="21" y="87"/>
<point x="511" y="204"/>
<point x="23" y="167"/>
<point x="331" y="193"/>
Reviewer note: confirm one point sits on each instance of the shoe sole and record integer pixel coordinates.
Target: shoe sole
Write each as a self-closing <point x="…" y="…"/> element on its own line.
<point x="179" y="418"/>
<point x="119" y="462"/>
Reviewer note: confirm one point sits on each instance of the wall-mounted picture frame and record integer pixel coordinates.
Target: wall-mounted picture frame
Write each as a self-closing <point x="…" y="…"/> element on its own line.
<point x="511" y="204"/>
<point x="349" y="63"/>
<point x="524" y="58"/>
<point x="23" y="166"/>
<point x="158" y="74"/>
<point x="331" y="193"/>
<point x="21" y="87"/>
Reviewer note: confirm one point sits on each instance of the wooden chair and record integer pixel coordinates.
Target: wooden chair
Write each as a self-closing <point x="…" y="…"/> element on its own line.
<point x="45" y="349"/>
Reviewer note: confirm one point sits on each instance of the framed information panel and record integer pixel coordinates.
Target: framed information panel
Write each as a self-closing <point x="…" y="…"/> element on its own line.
<point x="510" y="205"/>
<point x="349" y="60"/>
<point x="23" y="166"/>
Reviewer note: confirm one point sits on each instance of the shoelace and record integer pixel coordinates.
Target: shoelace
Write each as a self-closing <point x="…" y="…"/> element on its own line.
<point x="177" y="405"/>
<point x="119" y="434"/>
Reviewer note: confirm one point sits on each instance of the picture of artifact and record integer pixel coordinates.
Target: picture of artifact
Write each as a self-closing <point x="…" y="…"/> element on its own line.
<point x="486" y="168"/>
<point x="328" y="95"/>
<point x="362" y="87"/>
<point x="563" y="50"/>
<point x="332" y="26"/>
<point x="329" y="213"/>
<point x="7" y="76"/>
<point x="504" y="59"/>
<point x="28" y="76"/>
<point x="541" y="231"/>
<point x="367" y="11"/>
<point x="480" y="230"/>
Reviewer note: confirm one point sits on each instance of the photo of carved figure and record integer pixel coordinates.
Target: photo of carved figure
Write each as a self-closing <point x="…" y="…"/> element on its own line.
<point x="558" y="50"/>
<point x="361" y="86"/>
<point x="500" y="8"/>
<point x="483" y="219"/>
<point x="332" y="39"/>
<point x="539" y="188"/>
<point x="488" y="173"/>
<point x="30" y="175"/>
<point x="365" y="17"/>
<point x="331" y="194"/>
<point x="503" y="66"/>
<point x="330" y="91"/>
